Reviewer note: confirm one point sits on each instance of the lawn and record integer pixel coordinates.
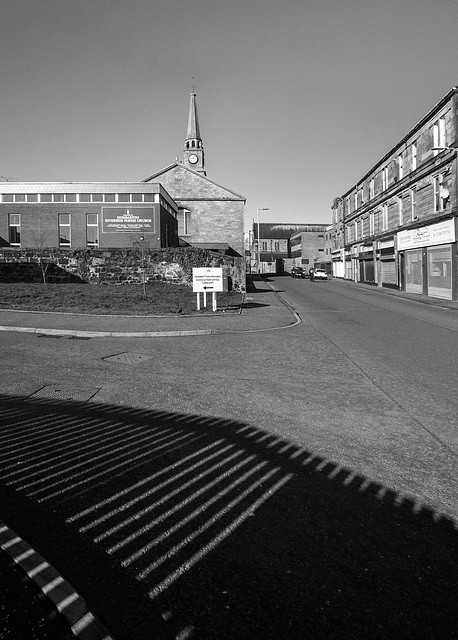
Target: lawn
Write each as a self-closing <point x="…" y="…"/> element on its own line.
<point x="161" y="299"/>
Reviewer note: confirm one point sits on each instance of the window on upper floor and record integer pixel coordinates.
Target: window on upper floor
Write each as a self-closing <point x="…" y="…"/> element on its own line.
<point x="400" y="164"/>
<point x="414" y="151"/>
<point x="371" y="224"/>
<point x="400" y="210"/>
<point x="384" y="178"/>
<point x="371" y="188"/>
<point x="413" y="204"/>
<point x="384" y="217"/>
<point x="438" y="189"/>
<point x="439" y="133"/>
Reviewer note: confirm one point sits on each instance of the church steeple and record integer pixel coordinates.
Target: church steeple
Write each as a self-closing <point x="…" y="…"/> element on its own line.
<point x="193" y="146"/>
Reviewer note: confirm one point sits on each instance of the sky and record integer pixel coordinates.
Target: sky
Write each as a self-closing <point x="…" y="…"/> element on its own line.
<point x="297" y="99"/>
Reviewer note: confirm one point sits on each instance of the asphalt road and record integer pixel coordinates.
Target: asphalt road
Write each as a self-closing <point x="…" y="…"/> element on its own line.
<point x="295" y="483"/>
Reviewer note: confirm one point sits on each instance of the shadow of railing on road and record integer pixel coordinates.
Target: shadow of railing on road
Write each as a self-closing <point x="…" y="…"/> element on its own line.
<point x="271" y="541"/>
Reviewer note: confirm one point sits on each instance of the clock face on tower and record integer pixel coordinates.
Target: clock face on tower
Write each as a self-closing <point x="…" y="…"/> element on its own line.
<point x="193" y="158"/>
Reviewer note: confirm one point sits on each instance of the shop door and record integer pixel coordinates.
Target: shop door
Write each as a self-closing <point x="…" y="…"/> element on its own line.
<point x="413" y="271"/>
<point x="388" y="272"/>
<point x="440" y="272"/>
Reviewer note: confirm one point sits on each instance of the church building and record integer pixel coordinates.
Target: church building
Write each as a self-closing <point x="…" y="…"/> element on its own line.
<point x="210" y="216"/>
<point x="178" y="206"/>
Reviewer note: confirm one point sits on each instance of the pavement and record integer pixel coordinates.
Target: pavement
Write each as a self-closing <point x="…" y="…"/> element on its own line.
<point x="48" y="607"/>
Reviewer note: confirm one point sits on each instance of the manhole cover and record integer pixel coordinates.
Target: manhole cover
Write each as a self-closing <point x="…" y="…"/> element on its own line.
<point x="63" y="392"/>
<point x="128" y="358"/>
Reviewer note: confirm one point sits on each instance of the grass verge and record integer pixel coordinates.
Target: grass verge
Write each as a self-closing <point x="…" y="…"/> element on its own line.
<point x="162" y="299"/>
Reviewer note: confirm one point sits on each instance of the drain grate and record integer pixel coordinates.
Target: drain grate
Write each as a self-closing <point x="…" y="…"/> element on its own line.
<point x="64" y="392"/>
<point x="128" y="358"/>
<point x="51" y="335"/>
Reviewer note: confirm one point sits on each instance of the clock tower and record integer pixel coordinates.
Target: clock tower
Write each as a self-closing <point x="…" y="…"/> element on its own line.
<point x="193" y="147"/>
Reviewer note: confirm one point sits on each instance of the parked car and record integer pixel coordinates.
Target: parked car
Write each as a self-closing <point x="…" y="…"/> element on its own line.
<point x="320" y="274"/>
<point x="297" y="272"/>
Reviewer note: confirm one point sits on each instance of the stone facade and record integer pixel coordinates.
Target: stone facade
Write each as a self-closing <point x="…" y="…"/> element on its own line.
<point x="117" y="266"/>
<point x="397" y="226"/>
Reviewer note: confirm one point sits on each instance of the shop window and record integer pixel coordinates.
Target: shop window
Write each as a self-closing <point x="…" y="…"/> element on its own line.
<point x="32" y="197"/>
<point x="97" y="197"/>
<point x="58" y="197"/>
<point x="64" y="230"/>
<point x="14" y="229"/>
<point x="109" y="197"/>
<point x="7" y="197"/>
<point x="45" y="197"/>
<point x="85" y="197"/>
<point x="440" y="272"/>
<point x="70" y="197"/>
<point x="92" y="230"/>
<point x="19" y="197"/>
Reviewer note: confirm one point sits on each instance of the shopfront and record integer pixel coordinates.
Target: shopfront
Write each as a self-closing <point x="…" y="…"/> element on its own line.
<point x="428" y="259"/>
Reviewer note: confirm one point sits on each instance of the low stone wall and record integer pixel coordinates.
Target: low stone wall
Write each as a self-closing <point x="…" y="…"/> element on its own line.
<point x="116" y="266"/>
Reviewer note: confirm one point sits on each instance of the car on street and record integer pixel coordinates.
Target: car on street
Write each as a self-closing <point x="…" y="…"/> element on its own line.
<point x="297" y="272"/>
<point x="320" y="274"/>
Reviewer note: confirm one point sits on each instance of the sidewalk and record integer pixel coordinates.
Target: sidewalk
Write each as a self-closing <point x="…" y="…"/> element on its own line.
<point x="262" y="310"/>
<point x="414" y="297"/>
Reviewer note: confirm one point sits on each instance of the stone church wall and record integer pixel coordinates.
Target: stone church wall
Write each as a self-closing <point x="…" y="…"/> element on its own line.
<point x="116" y="266"/>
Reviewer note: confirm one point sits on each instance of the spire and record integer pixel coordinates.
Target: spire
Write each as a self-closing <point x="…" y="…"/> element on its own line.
<point x="193" y="146"/>
<point x="193" y="132"/>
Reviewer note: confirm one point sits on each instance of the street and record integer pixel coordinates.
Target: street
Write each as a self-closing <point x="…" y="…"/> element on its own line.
<point x="292" y="483"/>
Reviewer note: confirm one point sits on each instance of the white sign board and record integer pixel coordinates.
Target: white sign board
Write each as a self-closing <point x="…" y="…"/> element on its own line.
<point x="208" y="279"/>
<point x="440" y="233"/>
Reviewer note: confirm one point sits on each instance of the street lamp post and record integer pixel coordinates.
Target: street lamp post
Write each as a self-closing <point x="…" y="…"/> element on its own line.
<point x="259" y="245"/>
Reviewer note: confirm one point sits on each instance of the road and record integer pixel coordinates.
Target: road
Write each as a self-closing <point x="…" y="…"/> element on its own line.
<point x="295" y="483"/>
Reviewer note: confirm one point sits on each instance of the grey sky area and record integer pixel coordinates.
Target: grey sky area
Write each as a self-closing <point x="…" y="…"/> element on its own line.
<point x="297" y="99"/>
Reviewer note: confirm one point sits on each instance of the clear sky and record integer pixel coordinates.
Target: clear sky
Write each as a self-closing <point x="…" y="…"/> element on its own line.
<point x="297" y="99"/>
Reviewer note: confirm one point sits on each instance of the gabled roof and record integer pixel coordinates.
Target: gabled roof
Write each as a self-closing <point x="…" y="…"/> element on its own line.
<point x="156" y="178"/>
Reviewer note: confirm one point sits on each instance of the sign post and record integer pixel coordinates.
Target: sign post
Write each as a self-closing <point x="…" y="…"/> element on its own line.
<point x="208" y="280"/>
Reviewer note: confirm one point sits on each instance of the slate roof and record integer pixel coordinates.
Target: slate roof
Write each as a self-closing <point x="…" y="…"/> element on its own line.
<point x="280" y="231"/>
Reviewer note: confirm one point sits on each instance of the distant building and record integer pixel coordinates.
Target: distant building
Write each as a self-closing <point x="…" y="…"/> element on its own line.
<point x="281" y="245"/>
<point x="397" y="226"/>
<point x="308" y="247"/>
